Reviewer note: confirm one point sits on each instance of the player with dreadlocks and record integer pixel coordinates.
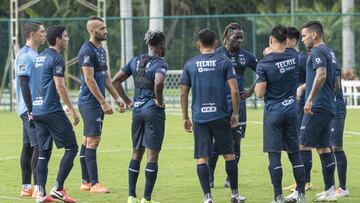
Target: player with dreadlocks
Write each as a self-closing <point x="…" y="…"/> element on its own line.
<point x="241" y="59"/>
<point x="148" y="112"/>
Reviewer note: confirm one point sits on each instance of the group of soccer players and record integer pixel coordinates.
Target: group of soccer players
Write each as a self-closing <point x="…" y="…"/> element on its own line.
<point x="285" y="79"/>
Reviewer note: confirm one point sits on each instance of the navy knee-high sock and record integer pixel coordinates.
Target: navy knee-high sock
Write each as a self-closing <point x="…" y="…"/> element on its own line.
<point x="212" y="165"/>
<point x="42" y="170"/>
<point x="134" y="168"/>
<point x="25" y="163"/>
<point x="150" y="175"/>
<point x="341" y="163"/>
<point x="84" y="170"/>
<point x="298" y="171"/>
<point x="65" y="167"/>
<point x="232" y="172"/>
<point x="328" y="169"/>
<point x="237" y="152"/>
<point x="34" y="160"/>
<point x="91" y="163"/>
<point x="306" y="158"/>
<point x="203" y="174"/>
<point x="276" y="173"/>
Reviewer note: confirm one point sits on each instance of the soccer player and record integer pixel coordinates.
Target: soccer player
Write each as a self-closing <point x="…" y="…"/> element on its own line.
<point x="207" y="75"/>
<point x="336" y="140"/>
<point x="95" y="79"/>
<point x="148" y="113"/>
<point x="320" y="106"/>
<point x="51" y="122"/>
<point x="277" y="82"/>
<point x="35" y="37"/>
<point x="233" y="36"/>
<point x="292" y="42"/>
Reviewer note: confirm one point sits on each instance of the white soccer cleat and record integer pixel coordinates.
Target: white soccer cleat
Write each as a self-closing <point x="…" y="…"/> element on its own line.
<point x="326" y="196"/>
<point x="237" y="198"/>
<point x="295" y="197"/>
<point x="209" y="200"/>
<point x="278" y="199"/>
<point x="342" y="193"/>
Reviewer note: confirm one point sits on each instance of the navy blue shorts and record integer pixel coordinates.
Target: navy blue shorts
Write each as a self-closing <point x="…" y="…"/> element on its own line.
<point x="280" y="133"/>
<point x="29" y="135"/>
<point x="93" y="117"/>
<point x="54" y="126"/>
<point x="315" y="129"/>
<point x="148" y="127"/>
<point x="337" y="131"/>
<point x="300" y="114"/>
<point x="218" y="131"/>
<point x="239" y="131"/>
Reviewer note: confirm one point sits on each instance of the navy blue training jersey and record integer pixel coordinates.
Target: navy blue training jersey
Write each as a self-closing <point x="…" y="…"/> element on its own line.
<point x="144" y="97"/>
<point x="93" y="57"/>
<point x="45" y="98"/>
<point x="303" y="56"/>
<point x="340" y="102"/>
<point x="280" y="72"/>
<point x="207" y="75"/>
<point x="322" y="56"/>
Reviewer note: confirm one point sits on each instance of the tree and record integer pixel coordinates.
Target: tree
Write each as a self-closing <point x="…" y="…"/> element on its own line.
<point x="348" y="43"/>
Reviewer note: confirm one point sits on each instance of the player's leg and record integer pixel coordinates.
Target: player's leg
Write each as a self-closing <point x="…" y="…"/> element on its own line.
<point x="212" y="165"/>
<point x="306" y="151"/>
<point x="34" y="156"/>
<point x="85" y="178"/>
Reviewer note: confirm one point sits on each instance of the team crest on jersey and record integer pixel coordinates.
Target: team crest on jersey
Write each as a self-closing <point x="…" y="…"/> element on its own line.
<point x="317" y="60"/>
<point x="58" y="69"/>
<point x="242" y="60"/>
<point x="86" y="59"/>
<point x="22" y="68"/>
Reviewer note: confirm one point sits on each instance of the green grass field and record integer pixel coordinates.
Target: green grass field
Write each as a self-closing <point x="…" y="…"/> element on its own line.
<point x="177" y="180"/>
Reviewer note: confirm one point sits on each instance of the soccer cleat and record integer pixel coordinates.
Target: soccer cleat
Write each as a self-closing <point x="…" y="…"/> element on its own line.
<point x="85" y="186"/>
<point x="143" y="200"/>
<point x="278" y="199"/>
<point x="342" y="193"/>
<point x="132" y="199"/>
<point x="308" y="186"/>
<point x="43" y="199"/>
<point x="326" y="196"/>
<point x="290" y="187"/>
<point x="26" y="192"/>
<point x="237" y="198"/>
<point x="98" y="188"/>
<point x="34" y="194"/>
<point x="295" y="197"/>
<point x="61" y="195"/>
<point x="209" y="200"/>
<point x="227" y="183"/>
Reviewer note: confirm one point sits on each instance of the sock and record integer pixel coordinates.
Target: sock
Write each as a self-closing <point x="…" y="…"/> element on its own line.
<point x="341" y="163"/>
<point x="65" y="167"/>
<point x="306" y="158"/>
<point x="34" y="160"/>
<point x="328" y="169"/>
<point x="203" y="174"/>
<point x="26" y="186"/>
<point x="84" y="170"/>
<point x="212" y="165"/>
<point x="237" y="152"/>
<point x="42" y="169"/>
<point x="134" y="168"/>
<point x="25" y="163"/>
<point x="90" y="157"/>
<point x="276" y="173"/>
<point x="232" y="172"/>
<point x="298" y="171"/>
<point x="150" y="175"/>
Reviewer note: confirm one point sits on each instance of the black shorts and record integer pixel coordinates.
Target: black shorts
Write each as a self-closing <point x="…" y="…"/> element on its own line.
<point x="29" y="135"/>
<point x="218" y="130"/>
<point x="337" y="131"/>
<point x="280" y="133"/>
<point x="54" y="126"/>
<point x="315" y="129"/>
<point x="93" y="117"/>
<point x="148" y="128"/>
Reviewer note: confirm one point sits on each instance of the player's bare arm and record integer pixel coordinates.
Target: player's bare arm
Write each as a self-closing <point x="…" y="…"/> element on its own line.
<point x="260" y="89"/>
<point x="114" y="93"/>
<point x="159" y="87"/>
<point x="234" y="120"/>
<point x="319" y="81"/>
<point x="118" y="79"/>
<point x="184" y="107"/>
<point x="63" y="93"/>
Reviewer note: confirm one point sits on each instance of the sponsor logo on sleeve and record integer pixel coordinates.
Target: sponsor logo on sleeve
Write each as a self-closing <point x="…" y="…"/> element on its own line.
<point x="86" y="59"/>
<point x="59" y="69"/>
<point x="317" y="60"/>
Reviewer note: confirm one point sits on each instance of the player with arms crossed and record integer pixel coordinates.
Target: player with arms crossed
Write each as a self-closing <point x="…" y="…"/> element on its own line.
<point x="207" y="75"/>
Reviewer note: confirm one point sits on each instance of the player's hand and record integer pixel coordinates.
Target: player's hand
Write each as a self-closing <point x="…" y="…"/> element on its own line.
<point x="31" y="120"/>
<point x="188" y="125"/>
<point x="245" y="94"/>
<point x="75" y="116"/>
<point x="162" y="105"/>
<point x="234" y="120"/>
<point x="106" y="108"/>
<point x="307" y="107"/>
<point x="130" y="105"/>
<point x="299" y="92"/>
<point x="121" y="104"/>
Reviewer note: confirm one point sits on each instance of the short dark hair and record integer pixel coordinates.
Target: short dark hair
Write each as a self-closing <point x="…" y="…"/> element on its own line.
<point x="31" y="26"/>
<point x="279" y="32"/>
<point x="293" y="33"/>
<point x="54" y="32"/>
<point x="231" y="26"/>
<point x="206" y="37"/>
<point x="154" y="37"/>
<point x="96" y="18"/>
<point x="314" y="26"/>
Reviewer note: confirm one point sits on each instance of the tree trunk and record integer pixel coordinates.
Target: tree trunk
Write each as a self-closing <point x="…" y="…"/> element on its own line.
<point x="157" y="11"/>
<point x="348" y="43"/>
